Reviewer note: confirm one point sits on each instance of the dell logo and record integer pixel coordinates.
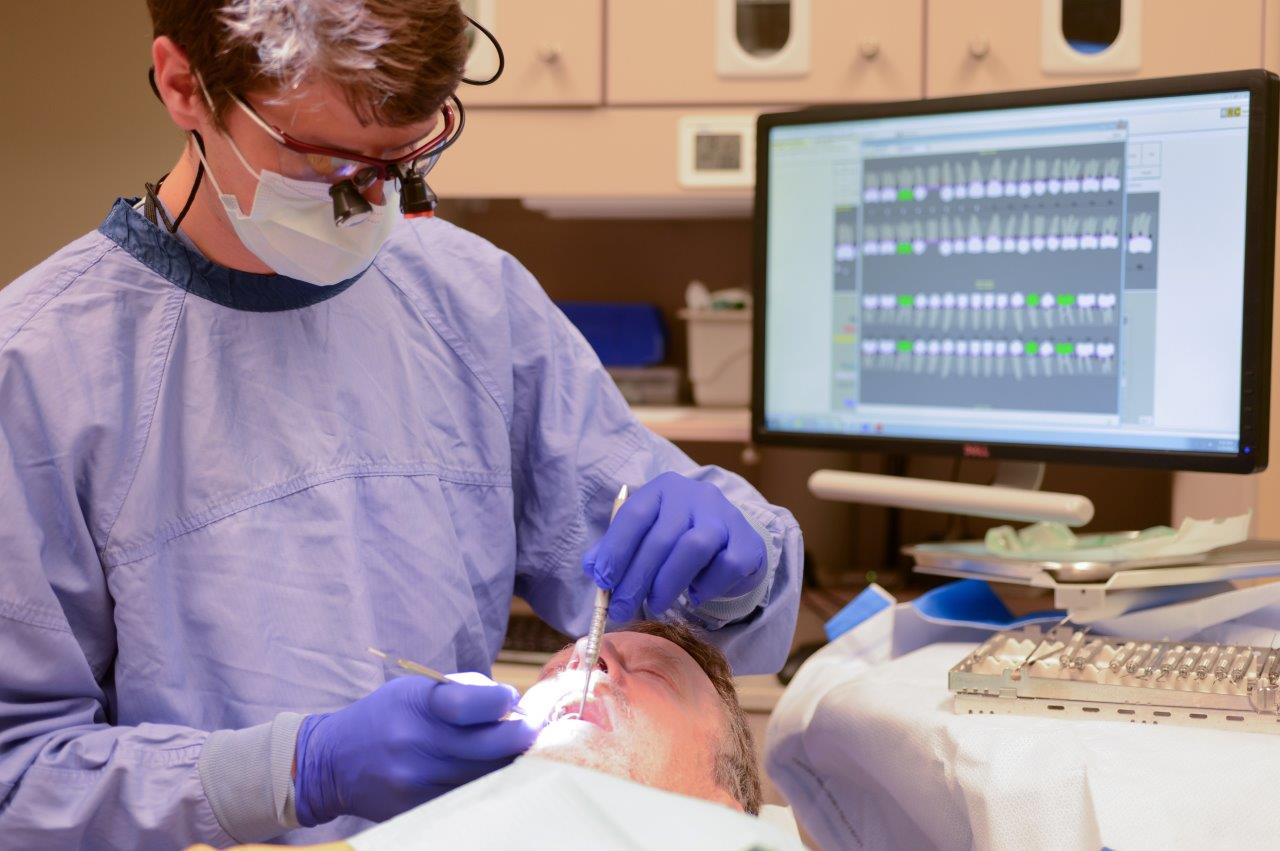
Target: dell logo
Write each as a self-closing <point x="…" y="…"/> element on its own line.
<point x="976" y="450"/>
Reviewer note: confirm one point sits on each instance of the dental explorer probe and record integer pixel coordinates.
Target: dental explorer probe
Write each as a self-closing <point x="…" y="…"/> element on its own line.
<point x="431" y="674"/>
<point x="408" y="665"/>
<point x="598" y="616"/>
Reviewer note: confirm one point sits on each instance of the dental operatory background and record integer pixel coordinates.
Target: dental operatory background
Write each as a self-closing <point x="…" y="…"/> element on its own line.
<point x="616" y="159"/>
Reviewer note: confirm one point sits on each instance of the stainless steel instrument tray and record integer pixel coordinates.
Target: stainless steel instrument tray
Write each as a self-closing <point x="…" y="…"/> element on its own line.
<point x="1019" y="672"/>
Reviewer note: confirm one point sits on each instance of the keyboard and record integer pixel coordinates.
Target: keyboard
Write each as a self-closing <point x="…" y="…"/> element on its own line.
<point x="530" y="640"/>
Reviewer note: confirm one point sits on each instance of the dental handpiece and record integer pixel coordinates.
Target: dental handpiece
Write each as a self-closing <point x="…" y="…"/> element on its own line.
<point x="1170" y="660"/>
<point x="1068" y="652"/>
<point x="1188" y="662"/>
<point x="1223" y="666"/>
<point x="1135" y="658"/>
<point x="1088" y="653"/>
<point x="1268" y="667"/>
<point x="1205" y="665"/>
<point x="1149" y="663"/>
<point x="1122" y="655"/>
<point x="1242" y="664"/>
<point x="599" y="614"/>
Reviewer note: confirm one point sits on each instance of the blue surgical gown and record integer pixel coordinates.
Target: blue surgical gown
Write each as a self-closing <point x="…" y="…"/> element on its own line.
<point x="217" y="489"/>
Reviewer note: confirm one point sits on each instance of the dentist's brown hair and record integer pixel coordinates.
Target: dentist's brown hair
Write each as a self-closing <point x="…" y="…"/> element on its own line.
<point x="396" y="61"/>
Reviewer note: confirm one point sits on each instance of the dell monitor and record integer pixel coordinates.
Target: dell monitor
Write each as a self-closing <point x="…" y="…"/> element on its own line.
<point x="1076" y="274"/>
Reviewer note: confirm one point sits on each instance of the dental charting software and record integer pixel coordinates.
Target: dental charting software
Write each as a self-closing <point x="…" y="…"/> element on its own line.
<point x="1054" y="275"/>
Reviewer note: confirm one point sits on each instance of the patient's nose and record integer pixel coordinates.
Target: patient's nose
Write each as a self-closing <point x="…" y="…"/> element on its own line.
<point x="580" y="654"/>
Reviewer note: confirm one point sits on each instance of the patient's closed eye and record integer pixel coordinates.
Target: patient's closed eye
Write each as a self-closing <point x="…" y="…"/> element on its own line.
<point x="660" y="675"/>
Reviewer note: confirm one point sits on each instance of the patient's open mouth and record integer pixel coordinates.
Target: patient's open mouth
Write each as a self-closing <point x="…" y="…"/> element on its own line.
<point x="594" y="712"/>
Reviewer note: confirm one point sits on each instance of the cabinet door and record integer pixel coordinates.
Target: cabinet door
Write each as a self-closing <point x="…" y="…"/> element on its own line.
<point x="622" y="153"/>
<point x="673" y="52"/>
<point x="553" y="52"/>
<point x="994" y="45"/>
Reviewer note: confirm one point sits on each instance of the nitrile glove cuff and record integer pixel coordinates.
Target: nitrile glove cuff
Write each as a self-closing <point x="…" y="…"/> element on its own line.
<point x="314" y="799"/>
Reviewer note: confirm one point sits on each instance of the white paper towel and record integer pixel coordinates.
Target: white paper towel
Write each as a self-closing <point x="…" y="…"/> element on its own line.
<point x="536" y="803"/>
<point x="1055" y="542"/>
<point x="866" y="747"/>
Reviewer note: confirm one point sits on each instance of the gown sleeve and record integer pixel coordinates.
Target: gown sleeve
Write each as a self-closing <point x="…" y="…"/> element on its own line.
<point x="70" y="776"/>
<point x="574" y="442"/>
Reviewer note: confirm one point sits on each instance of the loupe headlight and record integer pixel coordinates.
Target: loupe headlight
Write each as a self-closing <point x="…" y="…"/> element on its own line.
<point x="416" y="196"/>
<point x="349" y="206"/>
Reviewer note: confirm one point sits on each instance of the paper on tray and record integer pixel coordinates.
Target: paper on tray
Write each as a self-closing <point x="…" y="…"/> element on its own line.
<point x="1055" y="542"/>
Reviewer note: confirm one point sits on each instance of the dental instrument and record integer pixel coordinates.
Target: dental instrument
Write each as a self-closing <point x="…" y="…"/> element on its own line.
<point x="408" y="665"/>
<point x="591" y="654"/>
<point x="1188" y="662"/>
<point x="430" y="673"/>
<point x="1205" y="666"/>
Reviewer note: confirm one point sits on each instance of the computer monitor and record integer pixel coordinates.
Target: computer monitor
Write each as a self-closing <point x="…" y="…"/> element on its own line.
<point x="1076" y="274"/>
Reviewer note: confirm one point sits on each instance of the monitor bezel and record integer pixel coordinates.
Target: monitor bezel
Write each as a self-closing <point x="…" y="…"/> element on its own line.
<point x="1260" y="234"/>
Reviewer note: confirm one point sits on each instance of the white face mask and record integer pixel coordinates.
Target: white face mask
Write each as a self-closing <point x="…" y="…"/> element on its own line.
<point x="291" y="227"/>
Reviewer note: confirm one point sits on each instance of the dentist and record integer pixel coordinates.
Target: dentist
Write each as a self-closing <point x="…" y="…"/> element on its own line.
<point x="261" y="420"/>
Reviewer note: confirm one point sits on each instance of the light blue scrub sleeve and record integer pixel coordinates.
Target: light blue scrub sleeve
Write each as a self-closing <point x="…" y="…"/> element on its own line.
<point x="71" y="776"/>
<point x="574" y="443"/>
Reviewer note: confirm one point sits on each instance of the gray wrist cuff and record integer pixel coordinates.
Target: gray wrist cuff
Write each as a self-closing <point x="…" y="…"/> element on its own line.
<point x="726" y="610"/>
<point x="248" y="778"/>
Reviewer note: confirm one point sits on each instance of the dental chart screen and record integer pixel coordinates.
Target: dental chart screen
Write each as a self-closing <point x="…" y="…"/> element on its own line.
<point x="1068" y="275"/>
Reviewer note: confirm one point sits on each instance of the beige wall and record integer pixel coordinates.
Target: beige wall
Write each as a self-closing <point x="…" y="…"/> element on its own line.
<point x="80" y="125"/>
<point x="81" y="128"/>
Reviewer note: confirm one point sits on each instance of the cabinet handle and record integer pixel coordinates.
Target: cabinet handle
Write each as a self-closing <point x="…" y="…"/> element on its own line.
<point x="869" y="50"/>
<point x="980" y="47"/>
<point x="549" y="54"/>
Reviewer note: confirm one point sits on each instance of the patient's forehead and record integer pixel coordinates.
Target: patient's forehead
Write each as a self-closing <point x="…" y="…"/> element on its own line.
<point x="639" y="649"/>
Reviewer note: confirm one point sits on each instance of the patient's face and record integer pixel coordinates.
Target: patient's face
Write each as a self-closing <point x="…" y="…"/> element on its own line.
<point x="653" y="716"/>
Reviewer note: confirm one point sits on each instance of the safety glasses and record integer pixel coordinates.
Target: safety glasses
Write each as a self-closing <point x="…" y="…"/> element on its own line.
<point x="335" y="165"/>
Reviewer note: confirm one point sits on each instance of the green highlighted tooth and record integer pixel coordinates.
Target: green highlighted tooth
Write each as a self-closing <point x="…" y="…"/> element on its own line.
<point x="904" y="248"/>
<point x="906" y="300"/>
<point x="1066" y="299"/>
<point x="906" y="195"/>
<point x="1033" y="300"/>
<point x="1065" y="348"/>
<point x="904" y="345"/>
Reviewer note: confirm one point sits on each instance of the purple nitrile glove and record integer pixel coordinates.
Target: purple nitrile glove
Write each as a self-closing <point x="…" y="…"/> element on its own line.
<point x="405" y="743"/>
<point x="675" y="534"/>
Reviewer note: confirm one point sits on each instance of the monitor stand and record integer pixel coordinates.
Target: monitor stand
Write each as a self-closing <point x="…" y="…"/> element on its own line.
<point x="1014" y="494"/>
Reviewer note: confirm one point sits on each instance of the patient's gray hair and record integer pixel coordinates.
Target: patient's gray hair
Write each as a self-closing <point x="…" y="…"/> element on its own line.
<point x="736" y="769"/>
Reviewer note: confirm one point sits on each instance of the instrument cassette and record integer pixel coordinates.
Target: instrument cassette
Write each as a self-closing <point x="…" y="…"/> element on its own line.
<point x="1068" y="673"/>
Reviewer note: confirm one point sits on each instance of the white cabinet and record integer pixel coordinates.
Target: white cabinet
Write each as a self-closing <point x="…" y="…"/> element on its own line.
<point x="777" y="51"/>
<point x="993" y="45"/>
<point x="553" y="49"/>
<point x="620" y="152"/>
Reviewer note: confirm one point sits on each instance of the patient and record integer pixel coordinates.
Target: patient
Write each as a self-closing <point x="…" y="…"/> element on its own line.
<point x="663" y="714"/>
